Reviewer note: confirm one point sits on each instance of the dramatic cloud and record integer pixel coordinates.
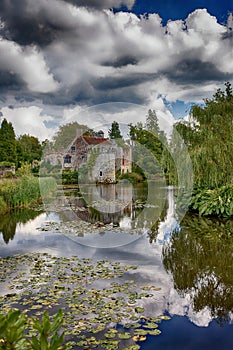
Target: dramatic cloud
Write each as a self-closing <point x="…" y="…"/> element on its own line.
<point x="64" y="53"/>
<point x="28" y="64"/>
<point x="104" y="4"/>
<point x="30" y="121"/>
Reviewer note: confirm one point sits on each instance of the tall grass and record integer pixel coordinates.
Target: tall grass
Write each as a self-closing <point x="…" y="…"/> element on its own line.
<point x="20" y="193"/>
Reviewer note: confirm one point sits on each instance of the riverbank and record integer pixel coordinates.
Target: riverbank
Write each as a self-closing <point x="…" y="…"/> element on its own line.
<point x="23" y="192"/>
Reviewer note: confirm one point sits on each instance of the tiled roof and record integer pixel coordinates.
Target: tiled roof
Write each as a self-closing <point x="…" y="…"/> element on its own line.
<point x="92" y="140"/>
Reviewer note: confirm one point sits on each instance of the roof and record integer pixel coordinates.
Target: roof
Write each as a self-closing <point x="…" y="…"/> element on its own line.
<point x="92" y="140"/>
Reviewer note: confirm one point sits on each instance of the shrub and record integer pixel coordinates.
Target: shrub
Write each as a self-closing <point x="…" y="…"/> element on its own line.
<point x="132" y="177"/>
<point x="216" y="202"/>
<point x="15" y="330"/>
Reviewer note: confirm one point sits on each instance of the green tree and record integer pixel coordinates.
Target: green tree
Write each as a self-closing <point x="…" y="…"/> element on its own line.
<point x="152" y="122"/>
<point x="208" y="137"/>
<point x="149" y="145"/>
<point x="7" y="143"/>
<point x="29" y="148"/>
<point x="114" y="131"/>
<point x="66" y="134"/>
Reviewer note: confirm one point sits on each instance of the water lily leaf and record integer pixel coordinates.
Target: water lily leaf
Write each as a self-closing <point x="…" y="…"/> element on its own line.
<point x="125" y="335"/>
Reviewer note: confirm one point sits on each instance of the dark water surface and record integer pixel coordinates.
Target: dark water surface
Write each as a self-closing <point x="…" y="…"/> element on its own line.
<point x="191" y="261"/>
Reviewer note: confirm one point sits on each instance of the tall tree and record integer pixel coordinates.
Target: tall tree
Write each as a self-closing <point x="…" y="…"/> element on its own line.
<point x="114" y="131"/>
<point x="208" y="137"/>
<point x="152" y="122"/>
<point x="150" y="156"/>
<point x="7" y="143"/>
<point x="30" y="148"/>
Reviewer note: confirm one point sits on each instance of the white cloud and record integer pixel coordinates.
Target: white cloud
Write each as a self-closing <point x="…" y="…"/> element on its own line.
<point x="169" y="54"/>
<point x="98" y="55"/>
<point x="101" y="116"/>
<point x="29" y="120"/>
<point x="29" y="64"/>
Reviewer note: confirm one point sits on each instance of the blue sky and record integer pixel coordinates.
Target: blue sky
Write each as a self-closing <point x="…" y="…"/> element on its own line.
<point x="61" y="57"/>
<point x="170" y="9"/>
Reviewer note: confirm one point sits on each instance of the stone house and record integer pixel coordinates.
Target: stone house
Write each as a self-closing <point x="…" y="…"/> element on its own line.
<point x="104" y="156"/>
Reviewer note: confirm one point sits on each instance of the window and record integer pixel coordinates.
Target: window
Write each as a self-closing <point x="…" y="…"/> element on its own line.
<point x="67" y="159"/>
<point x="101" y="173"/>
<point x="72" y="148"/>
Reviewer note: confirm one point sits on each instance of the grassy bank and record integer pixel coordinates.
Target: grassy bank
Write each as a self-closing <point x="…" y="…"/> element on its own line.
<point x="24" y="192"/>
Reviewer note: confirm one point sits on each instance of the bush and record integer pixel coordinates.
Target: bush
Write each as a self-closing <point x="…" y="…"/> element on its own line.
<point x="15" y="330"/>
<point x="69" y="177"/>
<point x="216" y="202"/>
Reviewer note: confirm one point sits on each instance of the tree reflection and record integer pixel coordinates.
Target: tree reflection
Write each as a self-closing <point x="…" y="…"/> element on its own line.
<point x="200" y="258"/>
<point x="8" y="222"/>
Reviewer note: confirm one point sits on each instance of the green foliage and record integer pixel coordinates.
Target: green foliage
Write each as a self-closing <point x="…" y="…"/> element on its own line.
<point x="3" y="206"/>
<point x="208" y="137"/>
<point x="24" y="170"/>
<point x="20" y="193"/>
<point x="114" y="132"/>
<point x="217" y="202"/>
<point x="67" y="133"/>
<point x="200" y="258"/>
<point x="152" y="122"/>
<point x="15" y="335"/>
<point x="149" y="146"/>
<point x="47" y="337"/>
<point x="132" y="177"/>
<point x="70" y="177"/>
<point x="29" y="148"/>
<point x="6" y="164"/>
<point x="24" y="192"/>
<point x="12" y="331"/>
<point x="7" y="143"/>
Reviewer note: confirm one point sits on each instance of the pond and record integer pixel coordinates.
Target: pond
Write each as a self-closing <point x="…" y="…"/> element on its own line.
<point x="189" y="263"/>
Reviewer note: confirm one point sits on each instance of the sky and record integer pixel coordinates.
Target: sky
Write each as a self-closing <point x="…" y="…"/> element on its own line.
<point x="95" y="61"/>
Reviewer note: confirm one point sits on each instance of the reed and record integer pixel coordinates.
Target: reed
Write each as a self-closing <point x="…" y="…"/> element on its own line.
<point x="20" y="193"/>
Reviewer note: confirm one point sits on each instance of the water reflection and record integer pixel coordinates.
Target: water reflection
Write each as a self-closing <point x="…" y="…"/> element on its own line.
<point x="200" y="258"/>
<point x="124" y="205"/>
<point x="195" y="271"/>
<point x="9" y="222"/>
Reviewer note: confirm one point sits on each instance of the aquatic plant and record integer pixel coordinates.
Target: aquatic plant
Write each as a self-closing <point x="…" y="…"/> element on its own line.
<point x="101" y="308"/>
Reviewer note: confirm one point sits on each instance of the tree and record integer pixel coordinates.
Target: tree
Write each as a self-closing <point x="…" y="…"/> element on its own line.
<point x="209" y="140"/>
<point x="67" y="133"/>
<point x="7" y="143"/>
<point x="150" y="157"/>
<point x="152" y="122"/>
<point x="114" y="132"/>
<point x="29" y="148"/>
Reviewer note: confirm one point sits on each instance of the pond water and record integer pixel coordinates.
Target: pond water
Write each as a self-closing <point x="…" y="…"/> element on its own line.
<point x="190" y="261"/>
